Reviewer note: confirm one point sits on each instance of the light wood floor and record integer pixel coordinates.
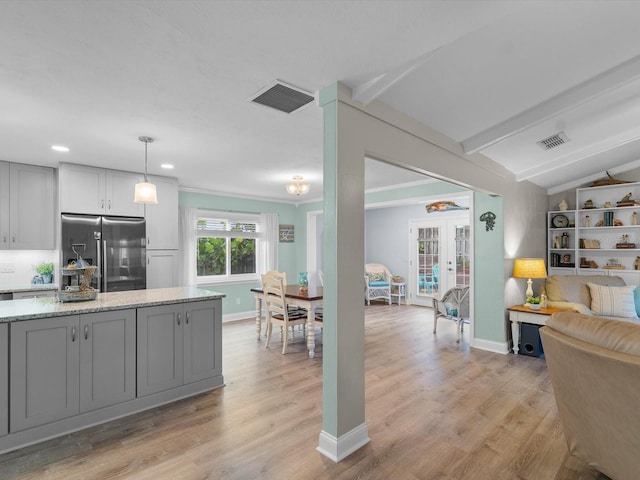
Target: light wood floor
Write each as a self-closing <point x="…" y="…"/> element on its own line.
<point x="434" y="409"/>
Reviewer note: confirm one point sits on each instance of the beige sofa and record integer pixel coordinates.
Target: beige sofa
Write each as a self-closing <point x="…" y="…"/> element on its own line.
<point x="570" y="292"/>
<point x="594" y="364"/>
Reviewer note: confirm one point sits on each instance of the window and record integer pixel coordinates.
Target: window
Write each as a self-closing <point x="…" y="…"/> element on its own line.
<point x="227" y="246"/>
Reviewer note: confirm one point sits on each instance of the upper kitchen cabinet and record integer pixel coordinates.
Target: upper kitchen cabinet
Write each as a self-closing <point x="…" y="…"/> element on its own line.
<point x="162" y="217"/>
<point x="27" y="203"/>
<point x="98" y="191"/>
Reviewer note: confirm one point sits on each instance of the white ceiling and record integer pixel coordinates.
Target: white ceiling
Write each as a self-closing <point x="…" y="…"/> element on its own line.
<point x="495" y="76"/>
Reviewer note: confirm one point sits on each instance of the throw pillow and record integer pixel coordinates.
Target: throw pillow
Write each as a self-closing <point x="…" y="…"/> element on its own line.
<point x="636" y="298"/>
<point x="613" y="301"/>
<point x="376" y="277"/>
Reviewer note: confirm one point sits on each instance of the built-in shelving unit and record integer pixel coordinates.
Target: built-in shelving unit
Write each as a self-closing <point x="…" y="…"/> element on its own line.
<point x="601" y="236"/>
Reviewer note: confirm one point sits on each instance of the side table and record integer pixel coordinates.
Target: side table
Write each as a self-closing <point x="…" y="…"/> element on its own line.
<point x="399" y="290"/>
<point x="520" y="314"/>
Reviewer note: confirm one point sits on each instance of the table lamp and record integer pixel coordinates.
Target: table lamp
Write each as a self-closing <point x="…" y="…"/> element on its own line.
<point x="529" y="268"/>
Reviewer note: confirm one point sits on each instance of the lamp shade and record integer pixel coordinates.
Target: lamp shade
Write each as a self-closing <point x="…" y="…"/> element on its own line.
<point x="145" y="193"/>
<point x="529" y="268"/>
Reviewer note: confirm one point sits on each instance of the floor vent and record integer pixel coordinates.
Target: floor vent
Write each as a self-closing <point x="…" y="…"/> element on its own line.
<point x="283" y="97"/>
<point x="553" y="141"/>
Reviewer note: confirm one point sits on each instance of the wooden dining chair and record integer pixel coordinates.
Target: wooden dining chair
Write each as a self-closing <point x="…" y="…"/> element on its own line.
<point x="278" y="313"/>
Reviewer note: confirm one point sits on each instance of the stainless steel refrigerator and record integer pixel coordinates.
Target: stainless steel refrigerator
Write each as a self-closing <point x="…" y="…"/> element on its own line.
<point x="117" y="245"/>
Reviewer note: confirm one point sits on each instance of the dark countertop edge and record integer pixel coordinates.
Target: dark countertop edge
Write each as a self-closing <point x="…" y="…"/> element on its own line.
<point x="86" y="307"/>
<point x="36" y="287"/>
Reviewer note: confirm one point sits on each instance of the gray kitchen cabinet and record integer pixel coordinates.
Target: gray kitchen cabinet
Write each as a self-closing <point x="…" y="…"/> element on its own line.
<point x="4" y="379"/>
<point x="162" y="268"/>
<point x="178" y="344"/>
<point x="98" y="191"/>
<point x="162" y="217"/>
<point x="107" y="358"/>
<point x="26" y="207"/>
<point x="202" y="340"/>
<point x="63" y="366"/>
<point x="43" y="367"/>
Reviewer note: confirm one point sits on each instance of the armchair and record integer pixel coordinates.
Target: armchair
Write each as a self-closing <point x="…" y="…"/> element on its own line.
<point x="454" y="305"/>
<point x="377" y="280"/>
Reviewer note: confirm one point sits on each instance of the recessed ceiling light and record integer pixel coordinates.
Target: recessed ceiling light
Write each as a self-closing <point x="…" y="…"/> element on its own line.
<point x="59" y="148"/>
<point x="167" y="166"/>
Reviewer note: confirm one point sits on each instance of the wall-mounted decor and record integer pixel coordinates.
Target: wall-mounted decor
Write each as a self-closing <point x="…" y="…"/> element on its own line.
<point x="489" y="218"/>
<point x="443" y="206"/>
<point x="287" y="233"/>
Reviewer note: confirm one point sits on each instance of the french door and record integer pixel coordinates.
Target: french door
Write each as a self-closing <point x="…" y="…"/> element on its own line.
<point x="440" y="257"/>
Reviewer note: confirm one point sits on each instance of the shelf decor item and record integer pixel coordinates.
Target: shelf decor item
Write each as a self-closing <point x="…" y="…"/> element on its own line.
<point x="560" y="221"/>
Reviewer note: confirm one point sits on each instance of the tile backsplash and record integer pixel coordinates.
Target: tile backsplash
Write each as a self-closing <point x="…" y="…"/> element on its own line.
<point x="18" y="267"/>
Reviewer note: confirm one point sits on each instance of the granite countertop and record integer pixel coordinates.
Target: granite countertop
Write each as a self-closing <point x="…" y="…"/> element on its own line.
<point x="27" y="309"/>
<point x="27" y="287"/>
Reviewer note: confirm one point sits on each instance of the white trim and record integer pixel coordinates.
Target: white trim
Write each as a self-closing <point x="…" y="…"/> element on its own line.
<point x="401" y="185"/>
<point x="337" y="449"/>
<point x="463" y="197"/>
<point x="234" y="317"/>
<point x="491" y="346"/>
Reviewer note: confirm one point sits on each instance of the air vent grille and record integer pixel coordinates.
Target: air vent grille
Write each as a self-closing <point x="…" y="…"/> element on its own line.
<point x="553" y="141"/>
<point x="283" y="97"/>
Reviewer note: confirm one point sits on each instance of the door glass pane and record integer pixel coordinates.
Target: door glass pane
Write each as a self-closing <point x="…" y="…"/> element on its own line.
<point x="463" y="258"/>
<point x="428" y="261"/>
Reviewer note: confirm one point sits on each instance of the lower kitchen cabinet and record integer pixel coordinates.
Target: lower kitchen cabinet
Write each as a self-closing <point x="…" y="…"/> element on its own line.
<point x="4" y="379"/>
<point x="107" y="358"/>
<point x="63" y="366"/>
<point x="178" y="344"/>
<point x="44" y="379"/>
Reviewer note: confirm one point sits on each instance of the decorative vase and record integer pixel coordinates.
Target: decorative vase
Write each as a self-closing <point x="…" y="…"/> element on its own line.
<point x="303" y="279"/>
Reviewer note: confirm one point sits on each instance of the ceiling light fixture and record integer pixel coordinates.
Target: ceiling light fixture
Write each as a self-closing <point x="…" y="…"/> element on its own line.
<point x="297" y="187"/>
<point x="59" y="148"/>
<point x="145" y="191"/>
<point x="167" y="166"/>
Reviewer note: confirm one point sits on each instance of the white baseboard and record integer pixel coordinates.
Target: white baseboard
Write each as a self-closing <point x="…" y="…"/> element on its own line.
<point x="234" y="317"/>
<point x="338" y="449"/>
<point x="490" y="346"/>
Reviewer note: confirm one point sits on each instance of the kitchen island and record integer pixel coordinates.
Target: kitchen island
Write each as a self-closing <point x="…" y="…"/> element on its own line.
<point x="67" y="366"/>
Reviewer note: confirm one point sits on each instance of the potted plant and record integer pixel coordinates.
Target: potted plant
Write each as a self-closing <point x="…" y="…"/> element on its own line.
<point x="45" y="269"/>
<point x="533" y="303"/>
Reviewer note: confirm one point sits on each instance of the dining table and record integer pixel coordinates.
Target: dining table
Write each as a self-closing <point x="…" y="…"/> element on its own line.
<point x="308" y="298"/>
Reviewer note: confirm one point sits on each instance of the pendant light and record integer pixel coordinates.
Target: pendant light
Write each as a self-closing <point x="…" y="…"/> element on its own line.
<point x="145" y="191"/>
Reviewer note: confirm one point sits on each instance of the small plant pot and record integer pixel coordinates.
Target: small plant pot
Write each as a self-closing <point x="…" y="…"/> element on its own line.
<point x="534" y="306"/>
<point x="47" y="278"/>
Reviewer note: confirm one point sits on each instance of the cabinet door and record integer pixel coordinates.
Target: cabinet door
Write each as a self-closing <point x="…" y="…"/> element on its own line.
<point x="31" y="217"/>
<point x="120" y="192"/>
<point x="4" y="379"/>
<point x="107" y="358"/>
<point x="162" y="218"/>
<point x="43" y="371"/>
<point x="4" y="205"/>
<point x="159" y="348"/>
<point x="202" y="340"/>
<point x="162" y="268"/>
<point x="82" y="189"/>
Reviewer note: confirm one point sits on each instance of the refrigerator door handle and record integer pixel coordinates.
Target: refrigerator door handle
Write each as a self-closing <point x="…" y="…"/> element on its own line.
<point x="99" y="257"/>
<point x="104" y="269"/>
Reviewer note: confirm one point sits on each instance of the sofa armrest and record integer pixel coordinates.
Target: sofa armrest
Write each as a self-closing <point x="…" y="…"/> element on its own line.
<point x="572" y="306"/>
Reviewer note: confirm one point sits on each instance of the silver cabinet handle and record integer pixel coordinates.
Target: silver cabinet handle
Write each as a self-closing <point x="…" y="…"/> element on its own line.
<point x="186" y="315"/>
<point x="14" y="238"/>
<point x="4" y="239"/>
<point x="102" y="203"/>
<point x="109" y="205"/>
<point x="73" y="333"/>
<point x="178" y="319"/>
<point x="86" y="332"/>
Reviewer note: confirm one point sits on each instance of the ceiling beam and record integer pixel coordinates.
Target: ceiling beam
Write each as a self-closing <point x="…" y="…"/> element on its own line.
<point x="590" y="89"/>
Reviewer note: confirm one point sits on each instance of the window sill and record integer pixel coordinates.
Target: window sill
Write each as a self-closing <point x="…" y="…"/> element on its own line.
<point x="227" y="281"/>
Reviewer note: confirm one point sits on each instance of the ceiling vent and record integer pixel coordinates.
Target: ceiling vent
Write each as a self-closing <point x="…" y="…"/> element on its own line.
<point x="282" y="96"/>
<point x="553" y="141"/>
